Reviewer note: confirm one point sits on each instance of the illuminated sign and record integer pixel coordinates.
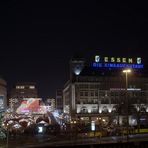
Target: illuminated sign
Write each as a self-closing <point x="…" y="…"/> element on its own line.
<point x="97" y="58"/>
<point x="138" y="60"/>
<point x="129" y="89"/>
<point x="40" y="129"/>
<point x="117" y="62"/>
<point x="29" y="105"/>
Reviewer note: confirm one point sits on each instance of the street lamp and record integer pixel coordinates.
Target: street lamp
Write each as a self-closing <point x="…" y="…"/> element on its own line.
<point x="7" y="135"/>
<point x="126" y="71"/>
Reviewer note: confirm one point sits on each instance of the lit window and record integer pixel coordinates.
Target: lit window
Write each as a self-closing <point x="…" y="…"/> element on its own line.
<point x="32" y="87"/>
<point x="22" y="87"/>
<point x="17" y="87"/>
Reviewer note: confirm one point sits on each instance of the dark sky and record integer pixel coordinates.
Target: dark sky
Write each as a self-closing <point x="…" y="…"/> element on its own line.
<point x="37" y="38"/>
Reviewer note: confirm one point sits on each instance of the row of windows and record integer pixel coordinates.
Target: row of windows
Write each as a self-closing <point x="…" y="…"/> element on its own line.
<point x="95" y="101"/>
<point x="106" y="93"/>
<point x="86" y="93"/>
<point x="94" y="86"/>
<point x="112" y="100"/>
<point x="100" y="93"/>
<point x="23" y="87"/>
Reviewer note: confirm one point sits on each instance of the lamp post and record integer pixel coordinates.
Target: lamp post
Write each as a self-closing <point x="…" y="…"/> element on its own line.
<point x="126" y="71"/>
<point x="7" y="136"/>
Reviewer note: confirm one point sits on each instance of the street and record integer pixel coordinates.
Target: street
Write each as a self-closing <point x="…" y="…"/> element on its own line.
<point x="45" y="140"/>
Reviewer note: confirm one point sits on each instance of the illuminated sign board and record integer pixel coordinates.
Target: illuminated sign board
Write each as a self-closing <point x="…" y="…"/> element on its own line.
<point x="40" y="129"/>
<point x="117" y="62"/>
<point x="29" y="105"/>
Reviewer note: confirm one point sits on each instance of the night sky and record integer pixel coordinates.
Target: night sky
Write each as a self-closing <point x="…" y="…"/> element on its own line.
<point x="37" y="39"/>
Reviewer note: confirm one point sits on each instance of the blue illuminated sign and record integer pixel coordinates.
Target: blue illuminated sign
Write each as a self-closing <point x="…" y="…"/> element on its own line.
<point x="117" y="65"/>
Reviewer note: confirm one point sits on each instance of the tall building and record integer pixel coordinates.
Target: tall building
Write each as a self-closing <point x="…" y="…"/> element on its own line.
<point x="3" y="94"/>
<point x="97" y="88"/>
<point x="59" y="99"/>
<point x="21" y="91"/>
<point x="50" y="104"/>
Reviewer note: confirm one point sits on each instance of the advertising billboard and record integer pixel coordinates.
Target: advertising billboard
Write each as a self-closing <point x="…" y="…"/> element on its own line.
<point x="29" y="105"/>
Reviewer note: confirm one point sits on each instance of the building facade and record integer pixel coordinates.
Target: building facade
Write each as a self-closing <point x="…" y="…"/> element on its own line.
<point x="93" y="93"/>
<point x="3" y="94"/>
<point x="21" y="91"/>
<point x="59" y="99"/>
<point x="50" y="104"/>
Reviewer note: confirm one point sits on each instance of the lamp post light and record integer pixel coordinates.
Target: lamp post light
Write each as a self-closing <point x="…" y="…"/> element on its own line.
<point x="126" y="71"/>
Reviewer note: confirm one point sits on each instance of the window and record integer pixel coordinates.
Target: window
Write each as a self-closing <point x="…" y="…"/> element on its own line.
<point x="20" y="87"/>
<point x="92" y="93"/>
<point x="95" y="100"/>
<point x="94" y="110"/>
<point x="90" y="100"/>
<point x="17" y="87"/>
<point x="105" y="109"/>
<point x="96" y="93"/>
<point x="81" y="93"/>
<point x="86" y="93"/>
<point x="32" y="87"/>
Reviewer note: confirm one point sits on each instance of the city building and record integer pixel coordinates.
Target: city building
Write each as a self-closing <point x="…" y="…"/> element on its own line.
<point x="50" y="104"/>
<point x="98" y="89"/>
<point x="3" y="94"/>
<point x="21" y="91"/>
<point x="59" y="99"/>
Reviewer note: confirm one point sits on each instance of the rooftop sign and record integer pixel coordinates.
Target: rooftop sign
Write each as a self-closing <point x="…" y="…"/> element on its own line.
<point x="117" y="62"/>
